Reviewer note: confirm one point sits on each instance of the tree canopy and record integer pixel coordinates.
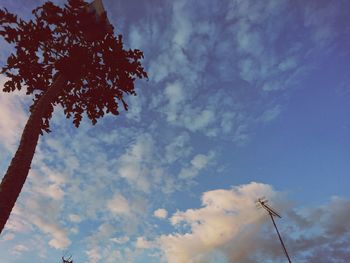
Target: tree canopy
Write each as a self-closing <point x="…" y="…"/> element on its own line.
<point x="64" y="40"/>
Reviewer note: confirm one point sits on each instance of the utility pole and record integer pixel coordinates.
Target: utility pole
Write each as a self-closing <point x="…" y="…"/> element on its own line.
<point x="261" y="202"/>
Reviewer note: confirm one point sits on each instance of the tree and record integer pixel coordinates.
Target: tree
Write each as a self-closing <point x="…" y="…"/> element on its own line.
<point x="65" y="56"/>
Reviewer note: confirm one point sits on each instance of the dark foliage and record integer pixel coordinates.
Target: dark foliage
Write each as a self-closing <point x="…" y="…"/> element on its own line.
<point x="65" y="41"/>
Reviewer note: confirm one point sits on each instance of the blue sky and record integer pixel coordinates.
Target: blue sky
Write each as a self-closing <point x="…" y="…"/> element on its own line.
<point x="244" y="99"/>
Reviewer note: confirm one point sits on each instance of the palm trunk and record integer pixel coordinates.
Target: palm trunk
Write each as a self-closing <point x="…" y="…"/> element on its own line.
<point x="16" y="175"/>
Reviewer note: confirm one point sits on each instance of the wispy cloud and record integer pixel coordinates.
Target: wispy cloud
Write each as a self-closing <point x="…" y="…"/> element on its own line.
<point x="247" y="43"/>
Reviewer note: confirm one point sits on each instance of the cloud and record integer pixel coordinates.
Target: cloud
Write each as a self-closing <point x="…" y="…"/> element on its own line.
<point x="184" y="28"/>
<point x="178" y="148"/>
<point x="175" y="95"/>
<point x="120" y="240"/>
<point x="125" y="215"/>
<point x="94" y="255"/>
<point x="198" y="163"/>
<point x="39" y="208"/>
<point x="119" y="205"/>
<point x="144" y="165"/>
<point x="103" y="245"/>
<point x="12" y="117"/>
<point x="19" y="249"/>
<point x="74" y="218"/>
<point x="59" y="238"/>
<point x="226" y="215"/>
<point x="213" y="69"/>
<point x="160" y="213"/>
<point x="179" y="111"/>
<point x="142" y="243"/>
<point x="7" y="237"/>
<point x="135" y="107"/>
<point x="17" y="223"/>
<point x="288" y="64"/>
<point x="196" y="119"/>
<point x="53" y="191"/>
<point x="135" y="164"/>
<point x="227" y="122"/>
<point x="271" y="114"/>
<point x="249" y="40"/>
<point x="245" y="49"/>
<point x="135" y="37"/>
<point x="230" y="227"/>
<point x="184" y="57"/>
<point x="321" y="21"/>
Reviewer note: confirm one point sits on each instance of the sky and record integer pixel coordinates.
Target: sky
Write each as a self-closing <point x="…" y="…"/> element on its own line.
<point x="245" y="99"/>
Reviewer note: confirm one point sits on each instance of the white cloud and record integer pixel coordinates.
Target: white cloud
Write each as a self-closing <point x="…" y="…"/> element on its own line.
<point x="94" y="255"/>
<point x="17" y="223"/>
<point x="136" y="164"/>
<point x="198" y="163"/>
<point x="47" y="181"/>
<point x="175" y="96"/>
<point x="143" y="243"/>
<point x="226" y="215"/>
<point x="135" y="37"/>
<point x="42" y="209"/>
<point x="7" y="237"/>
<point x="195" y="119"/>
<point x="175" y="40"/>
<point x="53" y="191"/>
<point x="19" y="249"/>
<point x="229" y="226"/>
<point x="182" y="24"/>
<point x="227" y="122"/>
<point x="321" y="22"/>
<point x="120" y="240"/>
<point x="144" y="167"/>
<point x="271" y="114"/>
<point x="288" y="63"/>
<point x="181" y="63"/>
<point x="135" y="108"/>
<point x="12" y="117"/>
<point x="74" y="218"/>
<point x="159" y="73"/>
<point x="179" y="147"/>
<point x="74" y="230"/>
<point x="249" y="69"/>
<point x="249" y="40"/>
<point x="272" y="86"/>
<point x="119" y="205"/>
<point x="161" y="213"/>
<point x="174" y="93"/>
<point x="59" y="237"/>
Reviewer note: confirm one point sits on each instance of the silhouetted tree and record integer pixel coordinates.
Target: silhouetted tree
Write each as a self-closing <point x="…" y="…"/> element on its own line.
<point x="67" y="56"/>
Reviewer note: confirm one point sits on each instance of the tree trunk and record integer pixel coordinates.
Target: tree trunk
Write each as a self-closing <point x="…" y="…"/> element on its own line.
<point x="13" y="181"/>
